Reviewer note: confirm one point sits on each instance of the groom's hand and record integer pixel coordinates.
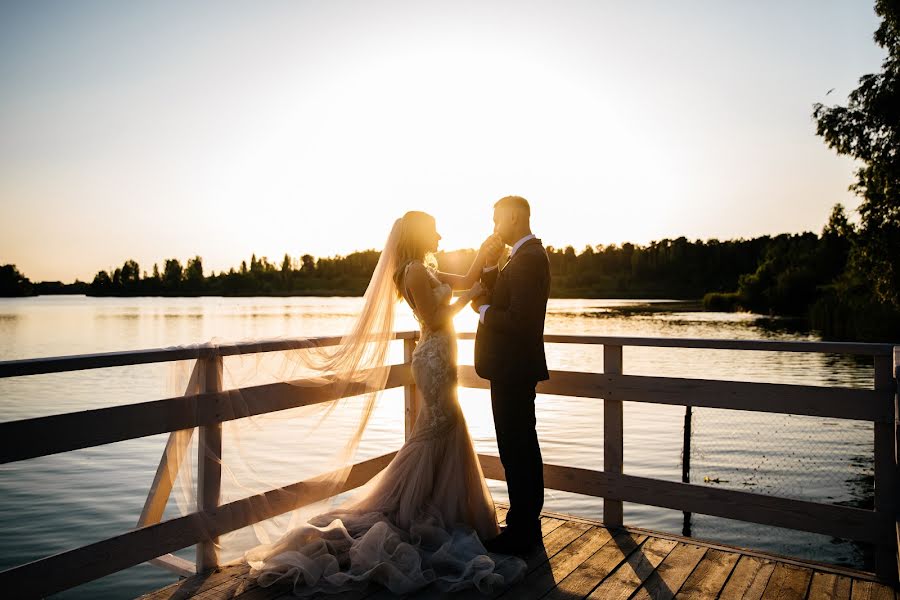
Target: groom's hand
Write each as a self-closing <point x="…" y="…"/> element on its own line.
<point x="491" y="248"/>
<point x="477" y="301"/>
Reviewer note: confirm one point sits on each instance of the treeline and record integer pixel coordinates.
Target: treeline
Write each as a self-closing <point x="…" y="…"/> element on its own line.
<point x="807" y="275"/>
<point x="825" y="279"/>
<point x="338" y="276"/>
<point x="677" y="268"/>
<point x="14" y="284"/>
<point x="666" y="269"/>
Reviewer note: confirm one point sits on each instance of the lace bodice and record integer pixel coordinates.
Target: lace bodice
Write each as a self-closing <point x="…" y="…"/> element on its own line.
<point x="442" y="294"/>
<point x="434" y="366"/>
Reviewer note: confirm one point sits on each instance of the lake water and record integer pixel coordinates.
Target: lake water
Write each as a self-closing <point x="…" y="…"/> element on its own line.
<point x="55" y="503"/>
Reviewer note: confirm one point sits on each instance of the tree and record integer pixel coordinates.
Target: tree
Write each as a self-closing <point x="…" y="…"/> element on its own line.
<point x="13" y="283"/>
<point x="307" y="264"/>
<point x="193" y="275"/>
<point x="101" y="283"/>
<point x="130" y="273"/>
<point x="868" y="129"/>
<point x="172" y="273"/>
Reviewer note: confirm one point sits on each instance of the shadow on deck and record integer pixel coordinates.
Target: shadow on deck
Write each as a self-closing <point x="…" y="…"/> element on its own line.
<point x="581" y="558"/>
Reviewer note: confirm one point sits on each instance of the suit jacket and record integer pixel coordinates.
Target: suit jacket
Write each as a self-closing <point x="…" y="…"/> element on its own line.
<point x="509" y="345"/>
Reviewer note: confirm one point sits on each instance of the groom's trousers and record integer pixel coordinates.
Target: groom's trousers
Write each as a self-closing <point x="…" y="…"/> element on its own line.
<point x="513" y="406"/>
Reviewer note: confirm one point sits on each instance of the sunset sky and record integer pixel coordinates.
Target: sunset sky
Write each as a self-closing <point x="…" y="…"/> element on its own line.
<point x="153" y="130"/>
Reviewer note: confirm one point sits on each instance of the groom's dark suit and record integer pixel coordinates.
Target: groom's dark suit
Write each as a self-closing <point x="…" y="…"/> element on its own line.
<point x="509" y="351"/>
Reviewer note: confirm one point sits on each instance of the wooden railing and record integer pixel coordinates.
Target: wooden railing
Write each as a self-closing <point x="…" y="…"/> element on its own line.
<point x="154" y="540"/>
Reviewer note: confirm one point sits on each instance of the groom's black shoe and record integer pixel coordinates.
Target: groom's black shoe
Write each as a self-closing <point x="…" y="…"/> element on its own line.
<point x="514" y="541"/>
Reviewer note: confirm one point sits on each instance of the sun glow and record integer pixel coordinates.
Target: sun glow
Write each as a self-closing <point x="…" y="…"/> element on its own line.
<point x="308" y="128"/>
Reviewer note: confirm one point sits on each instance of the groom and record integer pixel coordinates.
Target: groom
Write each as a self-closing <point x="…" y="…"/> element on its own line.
<point x="509" y="351"/>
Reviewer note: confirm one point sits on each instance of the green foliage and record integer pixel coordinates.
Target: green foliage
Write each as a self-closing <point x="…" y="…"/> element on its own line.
<point x="807" y="275"/>
<point x="675" y="268"/>
<point x="193" y="275"/>
<point x="786" y="279"/>
<point x="346" y="275"/>
<point x="172" y="274"/>
<point x="722" y="301"/>
<point x="868" y="129"/>
<point x="13" y="283"/>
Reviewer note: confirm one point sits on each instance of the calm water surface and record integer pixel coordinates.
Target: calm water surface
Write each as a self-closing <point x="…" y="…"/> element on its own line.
<point x="60" y="502"/>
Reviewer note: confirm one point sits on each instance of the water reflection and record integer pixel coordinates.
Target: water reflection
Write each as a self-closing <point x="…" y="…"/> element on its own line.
<point x="51" y="504"/>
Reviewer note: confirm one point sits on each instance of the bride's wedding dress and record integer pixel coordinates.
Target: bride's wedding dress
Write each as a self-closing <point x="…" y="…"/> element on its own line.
<point x="420" y="521"/>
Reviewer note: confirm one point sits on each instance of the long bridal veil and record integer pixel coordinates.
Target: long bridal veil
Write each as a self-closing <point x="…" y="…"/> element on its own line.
<point x="313" y="443"/>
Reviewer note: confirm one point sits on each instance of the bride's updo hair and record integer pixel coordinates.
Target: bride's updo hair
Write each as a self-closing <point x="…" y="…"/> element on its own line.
<point x="413" y="243"/>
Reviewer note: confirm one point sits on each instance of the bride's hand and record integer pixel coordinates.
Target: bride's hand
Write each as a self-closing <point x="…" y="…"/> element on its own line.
<point x="475" y="291"/>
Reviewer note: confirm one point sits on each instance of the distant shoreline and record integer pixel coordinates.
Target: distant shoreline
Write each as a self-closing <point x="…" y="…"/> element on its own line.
<point x="685" y="303"/>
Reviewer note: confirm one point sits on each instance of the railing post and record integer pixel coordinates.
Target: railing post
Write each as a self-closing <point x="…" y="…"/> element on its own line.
<point x="896" y="530"/>
<point x="410" y="394"/>
<point x="209" y="465"/>
<point x="886" y="471"/>
<point x="686" y="464"/>
<point x="612" y="435"/>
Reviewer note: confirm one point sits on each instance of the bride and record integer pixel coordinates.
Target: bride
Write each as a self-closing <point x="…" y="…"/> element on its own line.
<point x="421" y="520"/>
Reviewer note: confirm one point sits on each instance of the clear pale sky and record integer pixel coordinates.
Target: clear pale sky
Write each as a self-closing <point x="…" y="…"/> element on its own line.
<point x="151" y="130"/>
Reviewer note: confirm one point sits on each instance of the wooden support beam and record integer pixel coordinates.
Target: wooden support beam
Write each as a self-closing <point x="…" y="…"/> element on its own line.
<point x="801" y="515"/>
<point x="410" y="393"/>
<point x="79" y="362"/>
<point x="209" y="466"/>
<point x="60" y="364"/>
<point x="776" y="398"/>
<point x="74" y="567"/>
<point x="85" y="429"/>
<point x="855" y="348"/>
<point x="886" y="469"/>
<point x="613" y="435"/>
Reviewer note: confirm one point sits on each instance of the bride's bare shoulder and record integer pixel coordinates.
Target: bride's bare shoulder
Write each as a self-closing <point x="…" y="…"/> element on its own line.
<point x="418" y="273"/>
<point x="416" y="269"/>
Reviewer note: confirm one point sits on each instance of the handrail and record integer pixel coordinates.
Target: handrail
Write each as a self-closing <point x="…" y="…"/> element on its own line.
<point x="78" y="362"/>
<point x="855" y="348"/>
<point x="73" y="431"/>
<point x="212" y="406"/>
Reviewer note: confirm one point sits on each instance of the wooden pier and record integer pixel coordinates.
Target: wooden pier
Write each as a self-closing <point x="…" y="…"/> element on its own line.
<point x="580" y="557"/>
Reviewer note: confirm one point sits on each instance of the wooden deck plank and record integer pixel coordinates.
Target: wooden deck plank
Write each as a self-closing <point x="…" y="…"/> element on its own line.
<point x="554" y="541"/>
<point x="198" y="584"/>
<point x="234" y="589"/>
<point x="749" y="579"/>
<point x="829" y="586"/>
<point x="261" y="593"/>
<point x="710" y="575"/>
<point x="595" y="569"/>
<point x="763" y="555"/>
<point x="629" y="576"/>
<point x="545" y="577"/>
<point x="869" y="590"/>
<point x="581" y="558"/>
<point x="668" y="578"/>
<point x="787" y="583"/>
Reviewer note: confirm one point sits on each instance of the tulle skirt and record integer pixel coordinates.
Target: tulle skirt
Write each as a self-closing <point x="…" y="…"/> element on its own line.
<point x="419" y="522"/>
